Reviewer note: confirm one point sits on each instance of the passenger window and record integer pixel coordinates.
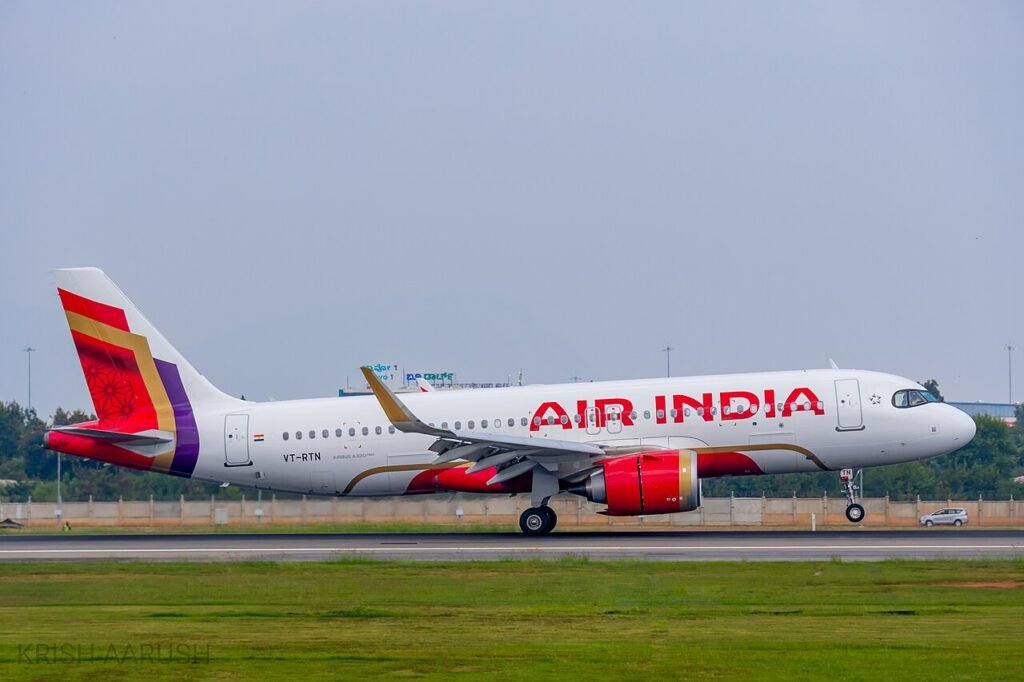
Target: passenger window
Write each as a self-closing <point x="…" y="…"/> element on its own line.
<point x="661" y="414"/>
<point x="391" y="429"/>
<point x="564" y="419"/>
<point x="551" y="419"/>
<point x="536" y="421"/>
<point x="298" y="435"/>
<point x="647" y="414"/>
<point x="725" y="409"/>
<point x="351" y="432"/>
<point x="444" y="425"/>
<point x="522" y="421"/>
<point x="458" y="426"/>
<point x="366" y="431"/>
<point x="672" y="413"/>
<point x="312" y="433"/>
<point x="632" y="415"/>
<point x="483" y="424"/>
<point x="511" y="422"/>
<point x="686" y="412"/>
<point x="337" y="433"/>
<point x="577" y="418"/>
<point x="326" y="433"/>
<point x="377" y="430"/>
<point x="284" y="435"/>
<point x="469" y="424"/>
<point x="700" y="411"/>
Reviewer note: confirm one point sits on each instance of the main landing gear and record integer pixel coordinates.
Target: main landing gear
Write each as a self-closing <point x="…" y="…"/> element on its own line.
<point x="538" y="520"/>
<point x="854" y="511"/>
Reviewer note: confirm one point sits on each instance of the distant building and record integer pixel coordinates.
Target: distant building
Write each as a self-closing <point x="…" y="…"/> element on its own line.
<point x="1004" y="411"/>
<point x="404" y="381"/>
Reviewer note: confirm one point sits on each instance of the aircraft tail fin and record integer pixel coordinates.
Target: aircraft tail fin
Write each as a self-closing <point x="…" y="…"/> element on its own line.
<point x="136" y="378"/>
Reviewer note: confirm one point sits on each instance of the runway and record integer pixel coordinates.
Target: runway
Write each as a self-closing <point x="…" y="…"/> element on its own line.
<point x="658" y="546"/>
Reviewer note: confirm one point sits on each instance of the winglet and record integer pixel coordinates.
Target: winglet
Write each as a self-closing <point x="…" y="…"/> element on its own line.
<point x="396" y="411"/>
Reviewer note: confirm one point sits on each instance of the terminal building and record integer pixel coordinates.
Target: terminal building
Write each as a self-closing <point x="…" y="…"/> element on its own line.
<point x="402" y="380"/>
<point x="1004" y="411"/>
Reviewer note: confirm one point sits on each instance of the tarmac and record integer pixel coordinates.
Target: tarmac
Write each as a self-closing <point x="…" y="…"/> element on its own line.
<point x="853" y="545"/>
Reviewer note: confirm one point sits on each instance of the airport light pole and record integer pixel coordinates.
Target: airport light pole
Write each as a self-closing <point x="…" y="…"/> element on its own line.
<point x="29" y="350"/>
<point x="1009" y="370"/>
<point x="667" y="350"/>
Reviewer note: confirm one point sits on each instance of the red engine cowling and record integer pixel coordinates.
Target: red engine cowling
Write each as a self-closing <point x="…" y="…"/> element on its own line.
<point x="646" y="483"/>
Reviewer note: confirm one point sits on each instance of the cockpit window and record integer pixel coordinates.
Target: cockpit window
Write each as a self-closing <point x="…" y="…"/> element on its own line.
<point x="912" y="398"/>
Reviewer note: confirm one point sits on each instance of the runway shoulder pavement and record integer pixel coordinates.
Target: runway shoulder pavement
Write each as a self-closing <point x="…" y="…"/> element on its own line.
<point x="860" y="545"/>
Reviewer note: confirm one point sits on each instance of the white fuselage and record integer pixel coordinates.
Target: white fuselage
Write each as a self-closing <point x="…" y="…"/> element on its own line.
<point x="800" y="421"/>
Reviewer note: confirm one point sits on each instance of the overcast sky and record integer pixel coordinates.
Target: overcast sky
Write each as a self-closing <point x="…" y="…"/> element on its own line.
<point x="289" y="190"/>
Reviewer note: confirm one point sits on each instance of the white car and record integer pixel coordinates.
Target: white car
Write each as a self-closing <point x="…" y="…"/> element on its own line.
<point x="951" y="516"/>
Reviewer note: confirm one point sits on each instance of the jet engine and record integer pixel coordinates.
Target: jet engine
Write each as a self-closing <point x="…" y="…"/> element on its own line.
<point x="645" y="483"/>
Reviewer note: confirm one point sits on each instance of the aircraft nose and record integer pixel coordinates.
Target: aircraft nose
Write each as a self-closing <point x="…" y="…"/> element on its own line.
<point x="963" y="428"/>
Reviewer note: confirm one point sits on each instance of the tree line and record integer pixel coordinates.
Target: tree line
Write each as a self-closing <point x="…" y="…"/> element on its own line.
<point x="985" y="468"/>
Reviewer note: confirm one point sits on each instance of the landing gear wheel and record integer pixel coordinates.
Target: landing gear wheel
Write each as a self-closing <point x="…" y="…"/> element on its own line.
<point x="552" y="517"/>
<point x="855" y="513"/>
<point x="537" y="520"/>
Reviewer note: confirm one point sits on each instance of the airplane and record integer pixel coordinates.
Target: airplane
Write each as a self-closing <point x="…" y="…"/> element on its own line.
<point x="637" y="447"/>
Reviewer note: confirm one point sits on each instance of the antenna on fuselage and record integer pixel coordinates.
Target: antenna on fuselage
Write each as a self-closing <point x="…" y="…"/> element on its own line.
<point x="832" y="364"/>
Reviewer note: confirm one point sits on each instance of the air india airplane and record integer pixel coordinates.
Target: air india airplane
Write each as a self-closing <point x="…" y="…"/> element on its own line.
<point x="638" y="447"/>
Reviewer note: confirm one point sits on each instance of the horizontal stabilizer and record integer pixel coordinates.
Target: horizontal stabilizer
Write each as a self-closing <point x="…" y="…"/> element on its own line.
<point x="151" y="437"/>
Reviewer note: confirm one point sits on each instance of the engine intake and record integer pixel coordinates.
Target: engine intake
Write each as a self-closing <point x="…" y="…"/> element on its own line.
<point x="646" y="483"/>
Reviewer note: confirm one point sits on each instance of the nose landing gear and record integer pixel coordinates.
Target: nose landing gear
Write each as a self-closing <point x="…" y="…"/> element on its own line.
<point x="854" y="511"/>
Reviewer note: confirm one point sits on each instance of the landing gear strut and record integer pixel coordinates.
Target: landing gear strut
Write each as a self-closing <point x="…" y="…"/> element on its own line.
<point x="854" y="511"/>
<point x="538" y="520"/>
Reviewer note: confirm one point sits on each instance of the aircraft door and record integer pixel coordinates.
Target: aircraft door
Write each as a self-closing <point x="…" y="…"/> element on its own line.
<point x="848" y="407"/>
<point x="236" y="440"/>
<point x="322" y="483"/>
<point x="593" y="425"/>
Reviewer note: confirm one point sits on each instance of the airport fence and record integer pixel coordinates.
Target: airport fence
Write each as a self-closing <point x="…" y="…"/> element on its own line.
<point x="459" y="510"/>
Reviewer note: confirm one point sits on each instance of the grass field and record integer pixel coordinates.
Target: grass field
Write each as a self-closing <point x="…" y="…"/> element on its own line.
<point x="513" y="620"/>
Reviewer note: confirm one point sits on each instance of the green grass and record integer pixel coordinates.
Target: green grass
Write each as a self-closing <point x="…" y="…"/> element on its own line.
<point x="518" y="620"/>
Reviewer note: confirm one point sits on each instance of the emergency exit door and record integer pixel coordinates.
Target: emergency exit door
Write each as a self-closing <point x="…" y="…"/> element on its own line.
<point x="236" y="440"/>
<point x="848" y="407"/>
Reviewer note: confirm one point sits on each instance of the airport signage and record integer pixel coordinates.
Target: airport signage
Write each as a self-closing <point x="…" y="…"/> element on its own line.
<point x="433" y="377"/>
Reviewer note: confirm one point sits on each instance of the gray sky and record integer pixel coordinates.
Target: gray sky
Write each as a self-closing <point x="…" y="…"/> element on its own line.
<point x="289" y="190"/>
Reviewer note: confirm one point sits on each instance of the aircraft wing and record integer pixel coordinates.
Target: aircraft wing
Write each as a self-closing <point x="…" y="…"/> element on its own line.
<point x="511" y="455"/>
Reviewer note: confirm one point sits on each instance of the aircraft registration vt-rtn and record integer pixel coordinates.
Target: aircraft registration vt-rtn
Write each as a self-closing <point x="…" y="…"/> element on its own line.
<point x="637" y="447"/>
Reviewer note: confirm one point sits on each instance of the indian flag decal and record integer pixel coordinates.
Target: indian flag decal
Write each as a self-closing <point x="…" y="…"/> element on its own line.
<point x="258" y="437"/>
